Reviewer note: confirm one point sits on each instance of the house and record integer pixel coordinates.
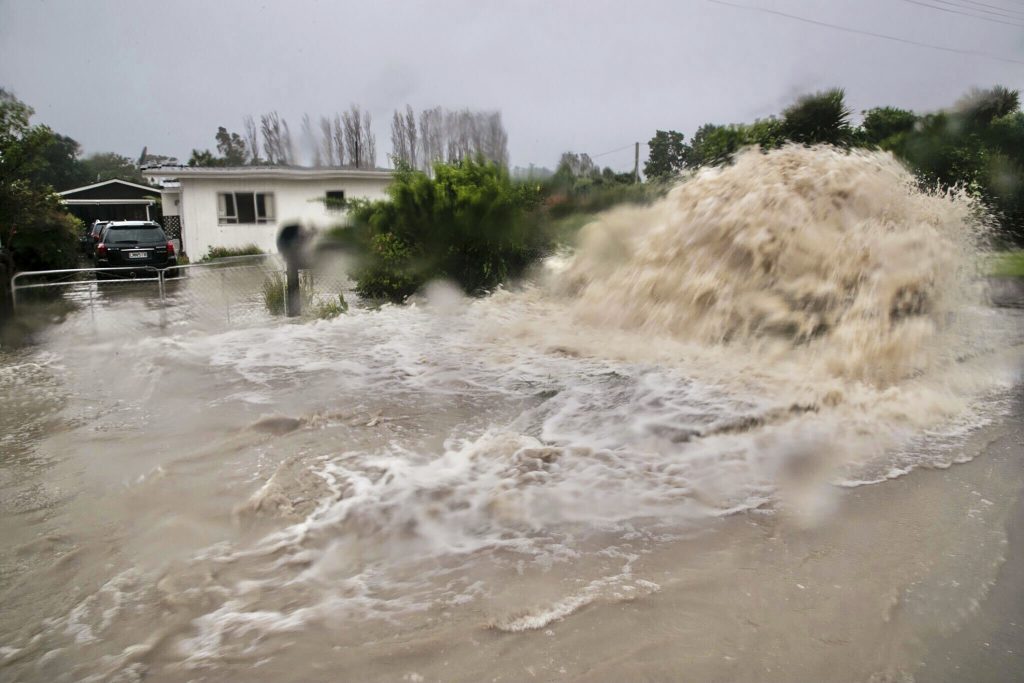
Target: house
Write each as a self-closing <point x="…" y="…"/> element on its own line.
<point x="236" y="206"/>
<point x="112" y="200"/>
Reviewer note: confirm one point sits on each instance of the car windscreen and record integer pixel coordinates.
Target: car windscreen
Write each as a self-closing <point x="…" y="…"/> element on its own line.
<point x="134" y="235"/>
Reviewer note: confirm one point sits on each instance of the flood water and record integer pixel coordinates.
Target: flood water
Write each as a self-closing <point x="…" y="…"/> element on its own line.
<point x="731" y="437"/>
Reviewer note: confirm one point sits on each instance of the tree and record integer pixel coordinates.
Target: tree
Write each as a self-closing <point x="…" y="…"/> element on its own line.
<point x="150" y="159"/>
<point x="820" y="118"/>
<point x="411" y="135"/>
<point x="469" y="223"/>
<point x="203" y="158"/>
<point x="338" y="135"/>
<point x="883" y="123"/>
<point x="232" y="147"/>
<point x="980" y="107"/>
<point x="351" y="122"/>
<point x="667" y="155"/>
<point x="404" y="138"/>
<point x="309" y="143"/>
<point x="360" y="142"/>
<point x="766" y="133"/>
<point x="713" y="144"/>
<point x="62" y="169"/>
<point x="445" y="135"/>
<point x="977" y="145"/>
<point x="431" y="137"/>
<point x="277" y="140"/>
<point x="370" y="142"/>
<point x="399" y="140"/>
<point x="109" y="166"/>
<point x="252" y="140"/>
<point x="33" y="223"/>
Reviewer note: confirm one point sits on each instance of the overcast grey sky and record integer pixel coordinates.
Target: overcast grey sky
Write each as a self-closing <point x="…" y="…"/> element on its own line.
<point x="588" y="76"/>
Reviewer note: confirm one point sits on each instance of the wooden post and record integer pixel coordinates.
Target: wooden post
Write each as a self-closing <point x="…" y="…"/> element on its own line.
<point x="636" y="163"/>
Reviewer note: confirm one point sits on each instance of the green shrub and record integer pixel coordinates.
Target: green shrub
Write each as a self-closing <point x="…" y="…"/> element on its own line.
<point x="47" y="242"/>
<point x="224" y="252"/>
<point x="469" y="223"/>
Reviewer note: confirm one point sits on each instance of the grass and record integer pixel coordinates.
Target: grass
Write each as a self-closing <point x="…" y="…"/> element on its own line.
<point x="327" y="309"/>
<point x="273" y="294"/>
<point x="214" y="253"/>
<point x="273" y="290"/>
<point x="1007" y="264"/>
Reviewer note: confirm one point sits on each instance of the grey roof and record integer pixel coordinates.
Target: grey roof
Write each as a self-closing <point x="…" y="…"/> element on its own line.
<point x="283" y="172"/>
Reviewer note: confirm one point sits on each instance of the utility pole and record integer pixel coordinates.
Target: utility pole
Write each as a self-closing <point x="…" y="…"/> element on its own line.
<point x="636" y="163"/>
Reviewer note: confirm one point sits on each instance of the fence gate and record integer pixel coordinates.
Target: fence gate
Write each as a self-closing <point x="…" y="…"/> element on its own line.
<point x="227" y="293"/>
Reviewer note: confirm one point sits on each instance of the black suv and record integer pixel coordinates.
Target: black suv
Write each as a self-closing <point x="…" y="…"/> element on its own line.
<point x="126" y="244"/>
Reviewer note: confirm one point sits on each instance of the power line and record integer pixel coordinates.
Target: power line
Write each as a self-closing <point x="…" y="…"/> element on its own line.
<point x="977" y="7"/>
<point x="610" y="152"/>
<point x="985" y="4"/>
<point x="883" y="36"/>
<point x="966" y="14"/>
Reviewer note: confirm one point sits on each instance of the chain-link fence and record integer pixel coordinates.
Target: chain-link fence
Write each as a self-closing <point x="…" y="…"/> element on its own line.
<point x="222" y="294"/>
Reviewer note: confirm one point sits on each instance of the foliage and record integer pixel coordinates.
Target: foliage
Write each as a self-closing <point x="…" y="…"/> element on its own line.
<point x="327" y="309"/>
<point x="204" y="158"/>
<point x="110" y="166"/>
<point x="225" y="252"/>
<point x="882" y="124"/>
<point x="469" y="223"/>
<point x="62" y="169"/>
<point x="713" y="145"/>
<point x="980" y="107"/>
<point x="579" y="185"/>
<point x="819" y="119"/>
<point x="1007" y="264"/>
<point x="667" y="155"/>
<point x="977" y="145"/>
<point x="273" y="289"/>
<point x="231" y="147"/>
<point x="33" y="224"/>
<point x="49" y="241"/>
<point x="598" y="195"/>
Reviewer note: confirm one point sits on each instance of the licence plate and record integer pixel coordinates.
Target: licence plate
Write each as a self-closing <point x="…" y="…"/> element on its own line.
<point x="136" y="254"/>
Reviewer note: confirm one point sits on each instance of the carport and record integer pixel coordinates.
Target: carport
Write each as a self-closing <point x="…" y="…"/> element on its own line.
<point x="113" y="200"/>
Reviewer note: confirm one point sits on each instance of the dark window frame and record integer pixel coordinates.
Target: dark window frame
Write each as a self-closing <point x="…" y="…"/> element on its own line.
<point x="237" y="207"/>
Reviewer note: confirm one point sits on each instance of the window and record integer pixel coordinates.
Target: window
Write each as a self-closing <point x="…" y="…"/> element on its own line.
<point x="335" y="201"/>
<point x="245" y="207"/>
<point x="134" y="234"/>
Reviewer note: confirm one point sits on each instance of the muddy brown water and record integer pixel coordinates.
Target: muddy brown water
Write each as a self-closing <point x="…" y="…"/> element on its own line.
<point x="523" y="487"/>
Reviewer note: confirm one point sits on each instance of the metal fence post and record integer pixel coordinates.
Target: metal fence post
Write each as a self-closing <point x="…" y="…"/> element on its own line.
<point x="293" y="293"/>
<point x="224" y="294"/>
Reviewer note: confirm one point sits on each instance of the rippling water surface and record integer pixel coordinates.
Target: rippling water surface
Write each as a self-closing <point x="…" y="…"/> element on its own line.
<point x="649" y="461"/>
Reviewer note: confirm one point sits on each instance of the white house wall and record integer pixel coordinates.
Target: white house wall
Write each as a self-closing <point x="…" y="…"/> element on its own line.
<point x="294" y="199"/>
<point x="170" y="202"/>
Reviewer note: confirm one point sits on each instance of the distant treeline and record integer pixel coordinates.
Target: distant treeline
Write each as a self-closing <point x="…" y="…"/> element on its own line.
<point x="977" y="144"/>
<point x="347" y="140"/>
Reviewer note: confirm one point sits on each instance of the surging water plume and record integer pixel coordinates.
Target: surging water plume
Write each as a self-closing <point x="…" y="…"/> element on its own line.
<point x="839" y="253"/>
